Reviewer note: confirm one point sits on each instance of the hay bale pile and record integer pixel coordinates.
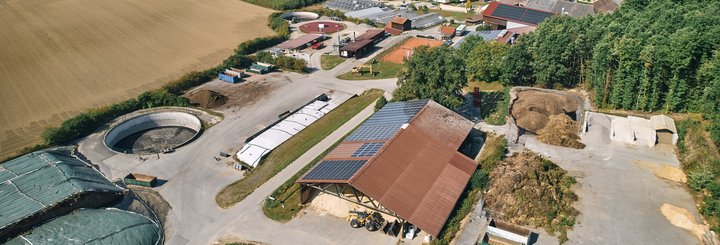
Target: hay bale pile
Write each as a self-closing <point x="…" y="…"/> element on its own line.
<point x="532" y="109"/>
<point x="207" y="99"/>
<point x="530" y="190"/>
<point x="561" y="131"/>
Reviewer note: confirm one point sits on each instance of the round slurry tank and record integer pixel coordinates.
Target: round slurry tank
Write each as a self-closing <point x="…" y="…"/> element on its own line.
<point x="158" y="131"/>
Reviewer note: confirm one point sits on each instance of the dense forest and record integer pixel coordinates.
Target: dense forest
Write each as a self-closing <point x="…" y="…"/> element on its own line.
<point x="650" y="55"/>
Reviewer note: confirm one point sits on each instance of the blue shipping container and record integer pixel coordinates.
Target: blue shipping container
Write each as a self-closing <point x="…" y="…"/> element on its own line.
<point x="228" y="78"/>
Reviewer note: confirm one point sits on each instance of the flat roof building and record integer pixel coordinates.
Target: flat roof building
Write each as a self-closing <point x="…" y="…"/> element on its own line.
<point x="362" y="44"/>
<point x="405" y="157"/>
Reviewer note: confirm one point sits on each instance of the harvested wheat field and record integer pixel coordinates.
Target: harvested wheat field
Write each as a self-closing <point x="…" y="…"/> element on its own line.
<point x="58" y="58"/>
<point x="405" y="49"/>
<point x="532" y="109"/>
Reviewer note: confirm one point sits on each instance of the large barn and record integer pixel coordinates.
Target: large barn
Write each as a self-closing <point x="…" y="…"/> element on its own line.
<point x="402" y="161"/>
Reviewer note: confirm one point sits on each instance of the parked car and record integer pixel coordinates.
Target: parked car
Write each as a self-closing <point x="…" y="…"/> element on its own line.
<point x="168" y="150"/>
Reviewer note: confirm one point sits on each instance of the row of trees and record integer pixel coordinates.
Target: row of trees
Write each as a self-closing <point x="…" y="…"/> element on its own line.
<point x="282" y="61"/>
<point x="284" y="4"/>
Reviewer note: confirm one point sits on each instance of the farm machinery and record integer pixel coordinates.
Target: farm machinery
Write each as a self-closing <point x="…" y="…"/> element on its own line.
<point x="359" y="69"/>
<point x="372" y="222"/>
<point x="316" y="45"/>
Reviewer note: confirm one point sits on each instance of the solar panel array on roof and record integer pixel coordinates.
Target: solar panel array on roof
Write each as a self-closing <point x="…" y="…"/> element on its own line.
<point x="384" y="123"/>
<point x="381" y="132"/>
<point x="535" y="17"/>
<point x="368" y="149"/>
<point x="335" y="170"/>
<point x="508" y="12"/>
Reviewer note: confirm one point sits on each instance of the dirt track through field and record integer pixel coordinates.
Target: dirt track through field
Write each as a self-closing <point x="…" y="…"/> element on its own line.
<point x="59" y="58"/>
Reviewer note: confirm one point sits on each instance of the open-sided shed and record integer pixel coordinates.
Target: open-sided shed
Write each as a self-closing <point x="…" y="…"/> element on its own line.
<point x="404" y="160"/>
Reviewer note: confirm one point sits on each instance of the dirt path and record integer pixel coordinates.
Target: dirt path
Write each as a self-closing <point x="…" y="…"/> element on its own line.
<point x="60" y="58"/>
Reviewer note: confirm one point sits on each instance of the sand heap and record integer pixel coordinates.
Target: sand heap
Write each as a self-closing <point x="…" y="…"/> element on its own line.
<point x="663" y="171"/>
<point x="532" y="109"/>
<point x="561" y="131"/>
<point x="207" y="99"/>
<point x="531" y="190"/>
<point x="682" y="218"/>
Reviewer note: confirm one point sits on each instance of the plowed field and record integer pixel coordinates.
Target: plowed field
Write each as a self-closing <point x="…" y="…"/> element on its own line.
<point x="59" y="57"/>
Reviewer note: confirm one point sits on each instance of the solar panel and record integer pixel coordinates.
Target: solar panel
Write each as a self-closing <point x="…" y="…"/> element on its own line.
<point x="384" y="123"/>
<point x="508" y="12"/>
<point x="335" y="170"/>
<point x="368" y="149"/>
<point x="380" y="132"/>
<point x="535" y="17"/>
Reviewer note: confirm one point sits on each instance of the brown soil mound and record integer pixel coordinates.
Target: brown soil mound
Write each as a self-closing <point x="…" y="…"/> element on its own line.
<point x="207" y="99"/>
<point x="561" y="131"/>
<point x="532" y="109"/>
<point x="528" y="189"/>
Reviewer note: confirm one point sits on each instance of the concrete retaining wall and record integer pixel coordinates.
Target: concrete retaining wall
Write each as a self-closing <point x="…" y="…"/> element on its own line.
<point x="153" y="120"/>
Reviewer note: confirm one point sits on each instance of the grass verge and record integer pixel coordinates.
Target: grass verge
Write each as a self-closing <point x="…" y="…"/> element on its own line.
<point x="382" y="68"/>
<point x="327" y="62"/>
<point x="494" y="150"/>
<point x="288" y="193"/>
<point x="293" y="148"/>
<point x="494" y="107"/>
<point x="701" y="161"/>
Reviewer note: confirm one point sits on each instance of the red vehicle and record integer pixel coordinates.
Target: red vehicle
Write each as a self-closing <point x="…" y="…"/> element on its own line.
<point x="476" y="94"/>
<point x="317" y="45"/>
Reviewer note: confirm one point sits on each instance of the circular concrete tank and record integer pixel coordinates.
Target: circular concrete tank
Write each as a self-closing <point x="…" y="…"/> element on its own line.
<point x="158" y="131"/>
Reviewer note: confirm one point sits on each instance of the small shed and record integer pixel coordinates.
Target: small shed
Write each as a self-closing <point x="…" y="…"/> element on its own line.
<point x="140" y="179"/>
<point x="447" y="32"/>
<point x="665" y="130"/>
<point x="401" y="24"/>
<point x="357" y="49"/>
